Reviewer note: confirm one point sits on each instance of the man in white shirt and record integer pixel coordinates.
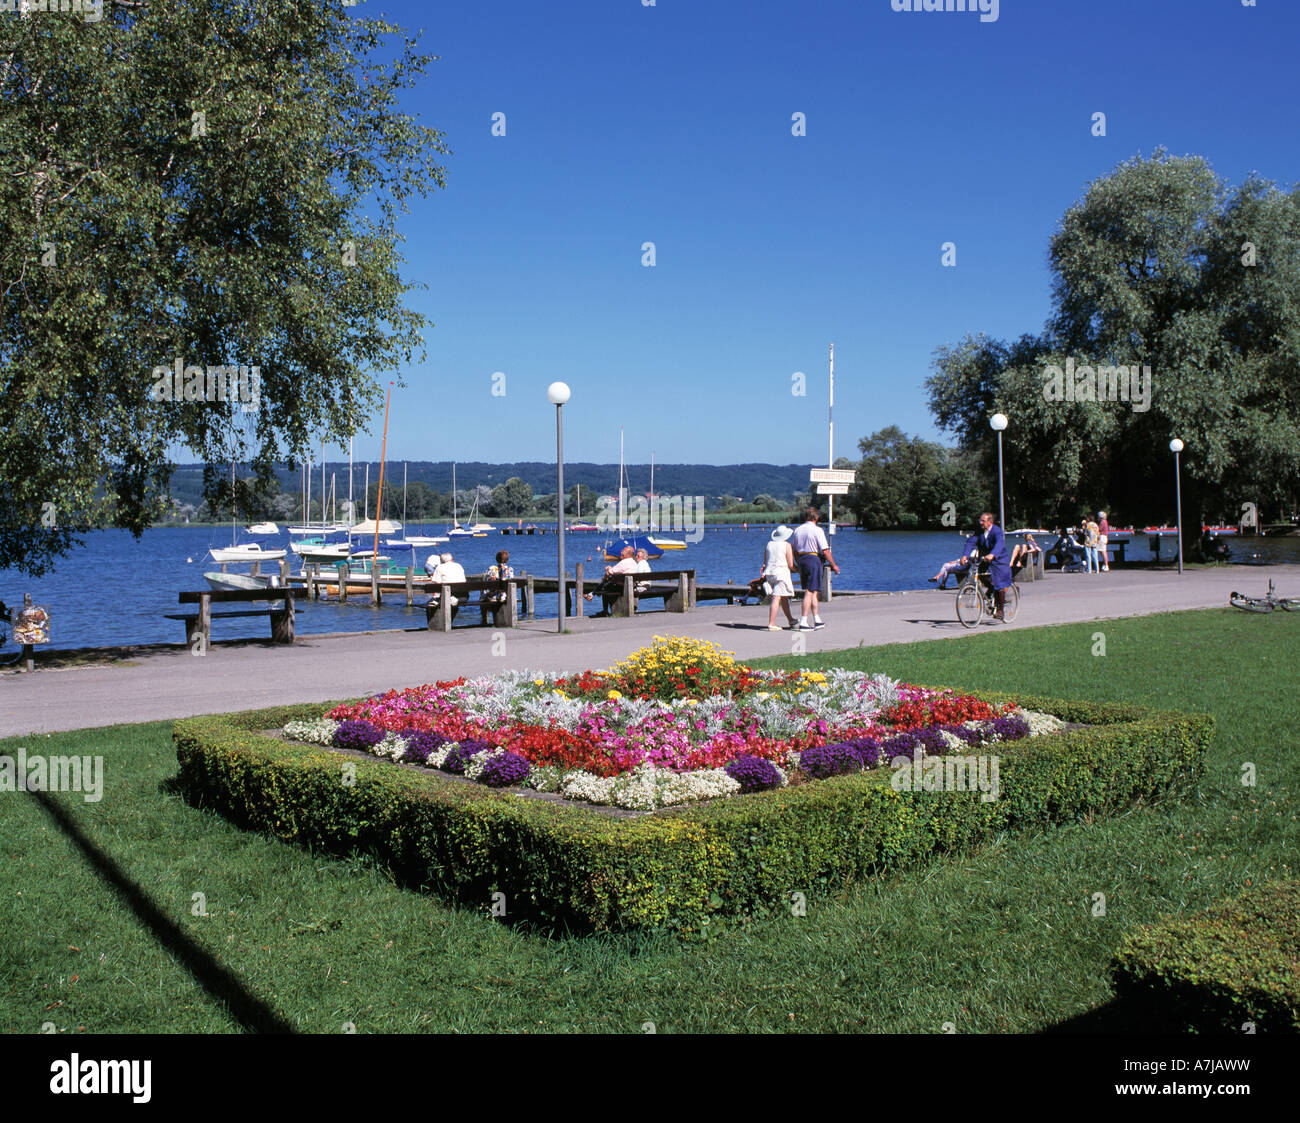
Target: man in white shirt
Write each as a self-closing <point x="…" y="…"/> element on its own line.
<point x="448" y="571"/>
<point x="809" y="544"/>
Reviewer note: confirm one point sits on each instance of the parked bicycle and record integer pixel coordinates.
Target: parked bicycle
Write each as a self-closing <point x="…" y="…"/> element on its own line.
<point x="1266" y="603"/>
<point x="975" y="598"/>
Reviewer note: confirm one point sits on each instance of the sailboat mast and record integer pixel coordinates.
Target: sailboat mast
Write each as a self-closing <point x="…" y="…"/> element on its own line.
<point x="322" y="483"/>
<point x="379" y="499"/>
<point x="622" y="488"/>
<point x="352" y="514"/>
<point x="454" y="521"/>
<point x="403" y="496"/>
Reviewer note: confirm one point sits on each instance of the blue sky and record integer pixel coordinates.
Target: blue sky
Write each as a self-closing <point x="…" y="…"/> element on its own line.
<point x="671" y="124"/>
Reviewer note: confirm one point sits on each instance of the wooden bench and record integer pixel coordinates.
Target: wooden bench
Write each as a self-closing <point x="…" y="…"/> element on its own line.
<point x="200" y="623"/>
<point x="505" y="613"/>
<point x="675" y="587"/>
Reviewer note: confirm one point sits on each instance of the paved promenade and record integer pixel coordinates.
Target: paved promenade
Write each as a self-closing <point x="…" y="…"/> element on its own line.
<point x="172" y="683"/>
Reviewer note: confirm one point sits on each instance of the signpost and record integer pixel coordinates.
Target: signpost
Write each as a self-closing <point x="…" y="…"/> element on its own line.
<point x="832" y="476"/>
<point x="832" y="489"/>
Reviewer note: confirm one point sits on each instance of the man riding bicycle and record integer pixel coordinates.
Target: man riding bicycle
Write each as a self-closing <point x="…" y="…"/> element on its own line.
<point x="995" y="567"/>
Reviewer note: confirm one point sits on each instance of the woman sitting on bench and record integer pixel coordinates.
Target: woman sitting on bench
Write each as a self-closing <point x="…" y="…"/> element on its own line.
<point x="1024" y="552"/>
<point x="489" y="601"/>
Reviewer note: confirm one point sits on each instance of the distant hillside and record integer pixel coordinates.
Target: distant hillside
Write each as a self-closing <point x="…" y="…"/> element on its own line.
<point x="781" y="481"/>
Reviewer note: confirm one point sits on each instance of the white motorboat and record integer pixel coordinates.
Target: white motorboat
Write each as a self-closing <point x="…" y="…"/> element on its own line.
<point x="242" y="581"/>
<point x="266" y="529"/>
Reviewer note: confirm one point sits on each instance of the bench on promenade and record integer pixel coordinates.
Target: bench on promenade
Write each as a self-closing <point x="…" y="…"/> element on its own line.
<point x="500" y="598"/>
<point x="624" y="591"/>
<point x="200" y="623"/>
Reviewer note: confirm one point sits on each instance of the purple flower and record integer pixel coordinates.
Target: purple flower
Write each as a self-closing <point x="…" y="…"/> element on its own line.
<point x="931" y="741"/>
<point x="1009" y="728"/>
<point x="972" y="737"/>
<point x="420" y="745"/>
<point x="753" y="773"/>
<point x="455" y="761"/>
<point x="503" y="769"/>
<point x="821" y="761"/>
<point x="357" y="735"/>
<point x="900" y="744"/>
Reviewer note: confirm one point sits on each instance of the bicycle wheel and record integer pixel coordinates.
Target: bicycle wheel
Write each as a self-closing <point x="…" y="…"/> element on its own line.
<point x="970" y="605"/>
<point x="1011" y="604"/>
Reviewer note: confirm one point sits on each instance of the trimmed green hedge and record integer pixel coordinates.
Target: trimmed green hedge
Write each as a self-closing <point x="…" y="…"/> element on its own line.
<point x="572" y="866"/>
<point x="1214" y="971"/>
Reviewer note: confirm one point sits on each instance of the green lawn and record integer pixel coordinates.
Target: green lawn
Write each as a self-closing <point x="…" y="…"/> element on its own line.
<point x="1000" y="939"/>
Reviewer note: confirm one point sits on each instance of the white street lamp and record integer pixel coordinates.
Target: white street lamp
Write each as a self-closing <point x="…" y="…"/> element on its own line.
<point x="1176" y="446"/>
<point x="557" y="393"/>
<point x="997" y="423"/>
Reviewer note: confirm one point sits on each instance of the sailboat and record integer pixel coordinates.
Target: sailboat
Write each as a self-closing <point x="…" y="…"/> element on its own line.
<point x="412" y="540"/>
<point x="478" y="530"/>
<point x="658" y="540"/>
<point x="614" y="549"/>
<point x="240" y="552"/>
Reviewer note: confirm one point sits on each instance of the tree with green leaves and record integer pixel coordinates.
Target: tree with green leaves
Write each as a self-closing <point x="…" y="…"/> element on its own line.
<point x="198" y="248"/>
<point x="512" y="499"/>
<point x="1160" y="265"/>
<point x="908" y="483"/>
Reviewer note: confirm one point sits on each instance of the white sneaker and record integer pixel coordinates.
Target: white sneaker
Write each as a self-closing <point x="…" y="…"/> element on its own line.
<point x="775" y="628"/>
<point x="818" y="623"/>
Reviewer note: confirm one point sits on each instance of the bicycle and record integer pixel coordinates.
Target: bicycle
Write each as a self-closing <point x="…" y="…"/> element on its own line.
<point x="975" y="599"/>
<point x="1266" y="603"/>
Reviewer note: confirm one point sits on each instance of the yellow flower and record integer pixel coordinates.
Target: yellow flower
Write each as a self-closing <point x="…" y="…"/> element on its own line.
<point x="614" y="694"/>
<point x="538" y="682"/>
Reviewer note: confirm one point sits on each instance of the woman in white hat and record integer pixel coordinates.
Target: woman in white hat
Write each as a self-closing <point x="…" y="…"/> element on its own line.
<point x="778" y="561"/>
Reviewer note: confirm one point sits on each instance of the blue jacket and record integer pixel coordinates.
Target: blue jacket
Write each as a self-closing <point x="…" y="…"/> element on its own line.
<point x="994" y="542"/>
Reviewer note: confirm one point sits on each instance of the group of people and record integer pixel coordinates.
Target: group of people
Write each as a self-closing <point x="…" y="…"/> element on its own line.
<point x="444" y="569"/>
<point x="630" y="560"/>
<point x="1088" y="545"/>
<point x="805" y="549"/>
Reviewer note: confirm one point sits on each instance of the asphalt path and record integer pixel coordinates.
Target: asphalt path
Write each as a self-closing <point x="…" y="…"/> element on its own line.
<point x="172" y="682"/>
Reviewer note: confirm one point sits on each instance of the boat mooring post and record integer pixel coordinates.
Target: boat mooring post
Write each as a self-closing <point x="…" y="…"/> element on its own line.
<point x="343" y="583"/>
<point x="376" y="598"/>
<point x="410" y="586"/>
<point x="577" y="589"/>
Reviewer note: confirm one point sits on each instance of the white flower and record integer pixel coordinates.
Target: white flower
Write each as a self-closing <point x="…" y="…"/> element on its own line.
<point x="313" y="732"/>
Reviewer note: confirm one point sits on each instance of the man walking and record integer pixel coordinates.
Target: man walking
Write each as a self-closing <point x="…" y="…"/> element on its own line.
<point x="810" y="545"/>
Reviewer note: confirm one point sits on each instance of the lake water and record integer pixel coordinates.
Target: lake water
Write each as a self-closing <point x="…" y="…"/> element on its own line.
<point x="116" y="589"/>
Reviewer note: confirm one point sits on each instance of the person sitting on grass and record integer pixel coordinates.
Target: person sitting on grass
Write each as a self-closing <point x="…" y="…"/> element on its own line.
<point x="958" y="567"/>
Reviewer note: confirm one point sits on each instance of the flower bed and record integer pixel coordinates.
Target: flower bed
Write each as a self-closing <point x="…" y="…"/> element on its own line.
<point x="677" y="722"/>
<point x="570" y="865"/>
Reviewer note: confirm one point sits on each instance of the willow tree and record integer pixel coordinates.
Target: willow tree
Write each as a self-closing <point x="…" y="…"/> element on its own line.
<point x="1160" y="265"/>
<point x="193" y="186"/>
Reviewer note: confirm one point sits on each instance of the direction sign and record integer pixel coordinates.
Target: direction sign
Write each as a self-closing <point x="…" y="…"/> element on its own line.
<point x="832" y="476"/>
<point x="832" y="489"/>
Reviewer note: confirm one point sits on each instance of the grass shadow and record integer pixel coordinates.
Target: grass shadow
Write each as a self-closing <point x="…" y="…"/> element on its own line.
<point x="223" y="985"/>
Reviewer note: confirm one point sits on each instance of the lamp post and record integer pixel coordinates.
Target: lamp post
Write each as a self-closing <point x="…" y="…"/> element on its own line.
<point x="557" y="393"/>
<point x="1176" y="446"/>
<point x="997" y="423"/>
